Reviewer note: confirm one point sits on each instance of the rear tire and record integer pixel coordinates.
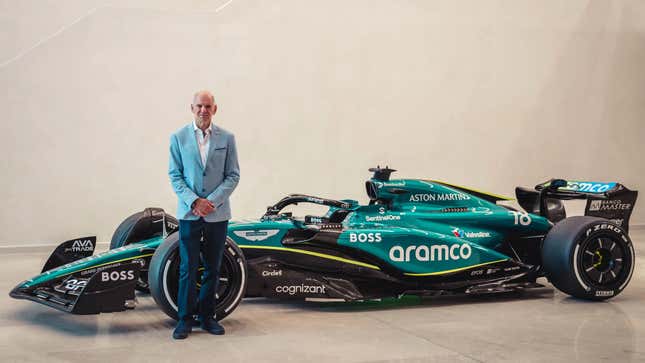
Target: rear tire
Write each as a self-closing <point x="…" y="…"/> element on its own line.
<point x="589" y="258"/>
<point x="164" y="278"/>
<point x="141" y="226"/>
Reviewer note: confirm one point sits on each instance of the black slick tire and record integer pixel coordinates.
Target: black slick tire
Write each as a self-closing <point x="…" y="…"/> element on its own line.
<point x="588" y="257"/>
<point x="164" y="277"/>
<point x="138" y="227"/>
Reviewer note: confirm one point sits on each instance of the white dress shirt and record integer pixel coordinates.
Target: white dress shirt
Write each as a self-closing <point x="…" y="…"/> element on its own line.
<point x="203" y="140"/>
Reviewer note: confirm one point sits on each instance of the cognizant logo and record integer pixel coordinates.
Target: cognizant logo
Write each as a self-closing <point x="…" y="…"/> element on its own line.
<point x="430" y="253"/>
<point x="300" y="289"/>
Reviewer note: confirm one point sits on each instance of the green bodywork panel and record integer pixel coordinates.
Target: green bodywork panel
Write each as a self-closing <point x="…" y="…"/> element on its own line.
<point x="426" y="228"/>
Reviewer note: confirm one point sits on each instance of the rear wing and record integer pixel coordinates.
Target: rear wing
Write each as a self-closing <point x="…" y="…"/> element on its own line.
<point x="611" y="201"/>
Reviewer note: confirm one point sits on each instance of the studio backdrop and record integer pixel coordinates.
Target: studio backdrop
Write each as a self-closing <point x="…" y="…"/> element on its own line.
<point x="488" y="94"/>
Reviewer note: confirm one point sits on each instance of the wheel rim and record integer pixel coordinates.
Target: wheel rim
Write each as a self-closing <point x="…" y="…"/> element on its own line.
<point x="603" y="260"/>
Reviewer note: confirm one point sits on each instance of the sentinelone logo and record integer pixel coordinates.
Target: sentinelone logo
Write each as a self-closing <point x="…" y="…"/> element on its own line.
<point x="388" y="217"/>
<point x="424" y="253"/>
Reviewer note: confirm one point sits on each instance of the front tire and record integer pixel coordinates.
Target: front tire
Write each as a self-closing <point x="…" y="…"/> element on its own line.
<point x="164" y="278"/>
<point x="589" y="258"/>
<point x="149" y="223"/>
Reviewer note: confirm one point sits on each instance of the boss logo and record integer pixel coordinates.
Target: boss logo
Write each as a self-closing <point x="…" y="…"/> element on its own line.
<point x="365" y="237"/>
<point x="117" y="276"/>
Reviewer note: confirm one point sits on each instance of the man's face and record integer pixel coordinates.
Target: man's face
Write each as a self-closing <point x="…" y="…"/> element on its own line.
<point x="203" y="108"/>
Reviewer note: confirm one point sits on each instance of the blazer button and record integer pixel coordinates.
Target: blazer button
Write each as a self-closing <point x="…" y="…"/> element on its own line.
<point x="203" y="190"/>
<point x="204" y="174"/>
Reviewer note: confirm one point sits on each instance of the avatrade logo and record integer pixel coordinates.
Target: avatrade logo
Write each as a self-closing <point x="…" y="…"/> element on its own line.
<point x="461" y="234"/>
<point x="438" y="197"/>
<point x="81" y="246"/>
<point x="424" y="253"/>
<point x="300" y="289"/>
<point x="259" y="235"/>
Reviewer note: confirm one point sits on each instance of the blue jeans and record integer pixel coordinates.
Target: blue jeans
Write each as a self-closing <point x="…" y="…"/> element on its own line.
<point x="212" y="249"/>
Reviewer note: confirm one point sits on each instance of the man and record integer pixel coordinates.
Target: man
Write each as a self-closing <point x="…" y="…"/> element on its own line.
<point x="203" y="172"/>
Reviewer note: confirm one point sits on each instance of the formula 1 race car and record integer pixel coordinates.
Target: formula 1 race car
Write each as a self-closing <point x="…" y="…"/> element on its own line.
<point x="414" y="237"/>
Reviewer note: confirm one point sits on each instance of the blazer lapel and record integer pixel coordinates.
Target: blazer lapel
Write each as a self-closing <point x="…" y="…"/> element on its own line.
<point x="195" y="147"/>
<point x="215" y="142"/>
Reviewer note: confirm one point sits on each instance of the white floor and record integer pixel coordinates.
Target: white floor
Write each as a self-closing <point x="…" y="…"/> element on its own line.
<point x="543" y="325"/>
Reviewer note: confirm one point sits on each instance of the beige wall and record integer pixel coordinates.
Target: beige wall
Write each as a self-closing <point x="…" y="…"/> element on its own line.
<point x="490" y="94"/>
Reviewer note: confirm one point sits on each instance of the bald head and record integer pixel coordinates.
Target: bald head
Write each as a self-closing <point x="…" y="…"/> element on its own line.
<point x="204" y="93"/>
<point x="203" y="107"/>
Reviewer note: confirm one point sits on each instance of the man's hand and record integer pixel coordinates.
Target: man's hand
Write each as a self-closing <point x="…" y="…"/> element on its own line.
<point x="202" y="207"/>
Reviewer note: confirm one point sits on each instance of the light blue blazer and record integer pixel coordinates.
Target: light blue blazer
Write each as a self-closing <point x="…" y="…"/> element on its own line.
<point x="214" y="181"/>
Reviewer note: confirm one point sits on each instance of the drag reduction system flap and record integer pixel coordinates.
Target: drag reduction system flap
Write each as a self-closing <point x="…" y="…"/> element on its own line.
<point x="612" y="201"/>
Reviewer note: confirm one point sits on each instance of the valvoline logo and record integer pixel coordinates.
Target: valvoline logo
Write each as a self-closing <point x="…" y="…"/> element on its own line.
<point x="460" y="233"/>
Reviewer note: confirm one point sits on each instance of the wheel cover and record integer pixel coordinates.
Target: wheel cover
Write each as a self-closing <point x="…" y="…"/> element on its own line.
<point x="603" y="260"/>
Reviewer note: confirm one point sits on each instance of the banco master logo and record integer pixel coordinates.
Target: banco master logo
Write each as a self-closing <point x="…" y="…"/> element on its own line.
<point x="461" y="234"/>
<point x="605" y="205"/>
<point x="259" y="235"/>
<point x="300" y="289"/>
<point x="424" y="253"/>
<point x="438" y="197"/>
